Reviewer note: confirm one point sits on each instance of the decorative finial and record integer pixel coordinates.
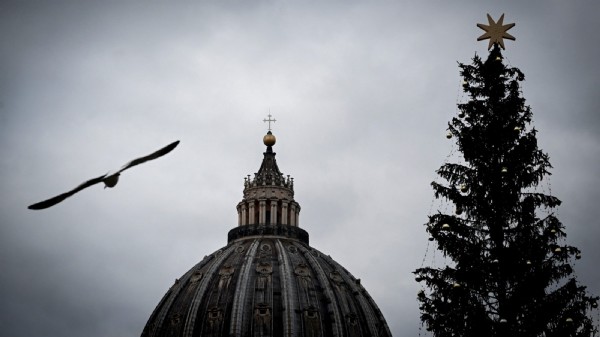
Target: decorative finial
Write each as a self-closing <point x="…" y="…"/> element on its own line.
<point x="496" y="31"/>
<point x="269" y="120"/>
<point x="269" y="138"/>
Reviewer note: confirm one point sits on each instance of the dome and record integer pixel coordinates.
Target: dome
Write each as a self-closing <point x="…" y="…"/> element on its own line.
<point x="267" y="280"/>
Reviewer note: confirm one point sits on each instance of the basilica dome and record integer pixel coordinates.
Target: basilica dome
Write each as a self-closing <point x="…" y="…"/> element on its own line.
<point x="267" y="280"/>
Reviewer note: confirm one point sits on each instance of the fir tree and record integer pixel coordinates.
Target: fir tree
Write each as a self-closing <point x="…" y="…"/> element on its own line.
<point x="511" y="272"/>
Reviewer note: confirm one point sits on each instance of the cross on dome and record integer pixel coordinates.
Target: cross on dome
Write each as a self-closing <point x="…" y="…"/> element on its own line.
<point x="269" y="120"/>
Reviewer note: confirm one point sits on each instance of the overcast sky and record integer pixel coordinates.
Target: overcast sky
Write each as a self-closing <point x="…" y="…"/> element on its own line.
<point x="362" y="92"/>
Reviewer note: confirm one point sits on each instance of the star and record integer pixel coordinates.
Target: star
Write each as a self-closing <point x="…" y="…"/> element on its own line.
<point x="496" y="31"/>
<point x="109" y="179"/>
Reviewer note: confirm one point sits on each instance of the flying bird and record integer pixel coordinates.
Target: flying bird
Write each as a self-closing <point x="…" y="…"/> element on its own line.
<point x="110" y="179"/>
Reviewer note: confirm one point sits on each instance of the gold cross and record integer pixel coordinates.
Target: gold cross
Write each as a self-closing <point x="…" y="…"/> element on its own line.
<point x="269" y="120"/>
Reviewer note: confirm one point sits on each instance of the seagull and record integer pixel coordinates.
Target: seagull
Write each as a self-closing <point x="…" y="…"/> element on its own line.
<point x="109" y="179"/>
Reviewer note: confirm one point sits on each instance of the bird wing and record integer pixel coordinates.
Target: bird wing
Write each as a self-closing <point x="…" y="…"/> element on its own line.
<point x="151" y="156"/>
<point x="53" y="201"/>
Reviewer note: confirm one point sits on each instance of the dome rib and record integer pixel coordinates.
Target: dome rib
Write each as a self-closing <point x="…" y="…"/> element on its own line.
<point x="288" y="293"/>
<point x="241" y="290"/>
<point x="329" y="292"/>
<point x="198" y="295"/>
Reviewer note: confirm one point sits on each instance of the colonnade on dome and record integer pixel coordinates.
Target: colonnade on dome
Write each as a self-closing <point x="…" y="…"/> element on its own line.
<point x="270" y="209"/>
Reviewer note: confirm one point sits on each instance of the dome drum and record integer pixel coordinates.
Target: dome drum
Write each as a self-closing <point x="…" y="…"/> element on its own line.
<point x="266" y="231"/>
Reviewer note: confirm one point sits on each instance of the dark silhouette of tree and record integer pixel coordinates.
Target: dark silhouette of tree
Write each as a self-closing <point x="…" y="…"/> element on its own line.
<point x="511" y="272"/>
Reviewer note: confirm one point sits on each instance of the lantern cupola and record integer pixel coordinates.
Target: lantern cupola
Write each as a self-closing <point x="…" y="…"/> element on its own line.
<point x="268" y="195"/>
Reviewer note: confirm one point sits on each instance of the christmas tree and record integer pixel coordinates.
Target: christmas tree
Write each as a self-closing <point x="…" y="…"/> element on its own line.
<point x="510" y="272"/>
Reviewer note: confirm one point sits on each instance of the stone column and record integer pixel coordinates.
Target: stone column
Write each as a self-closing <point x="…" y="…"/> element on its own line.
<point x="273" y="219"/>
<point x="296" y="214"/>
<point x="251" y="213"/>
<point x="262" y="214"/>
<point x="244" y="214"/>
<point x="292" y="214"/>
<point x="284" y="212"/>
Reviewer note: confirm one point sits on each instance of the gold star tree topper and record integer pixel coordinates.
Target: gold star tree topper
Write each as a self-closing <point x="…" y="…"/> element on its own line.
<point x="496" y="31"/>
